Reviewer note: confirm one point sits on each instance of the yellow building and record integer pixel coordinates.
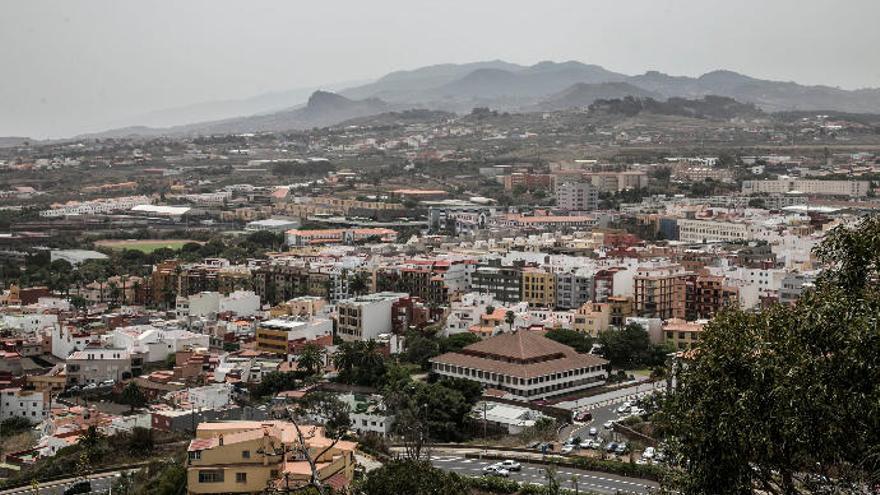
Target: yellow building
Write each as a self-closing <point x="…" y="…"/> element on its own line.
<point x="592" y="318"/>
<point x="682" y="334"/>
<point x="538" y="287"/>
<point x="300" y="306"/>
<point x="250" y="456"/>
<point x="621" y="309"/>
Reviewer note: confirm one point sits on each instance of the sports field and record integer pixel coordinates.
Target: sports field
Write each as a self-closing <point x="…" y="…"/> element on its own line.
<point x="144" y="245"/>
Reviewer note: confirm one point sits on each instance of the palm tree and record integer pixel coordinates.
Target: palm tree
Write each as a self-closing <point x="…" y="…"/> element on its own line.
<point x="510" y="317"/>
<point x="311" y="359"/>
<point x="345" y="359"/>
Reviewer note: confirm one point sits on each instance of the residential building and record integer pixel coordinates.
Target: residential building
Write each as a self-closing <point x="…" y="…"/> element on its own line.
<point x="529" y="181"/>
<point x="503" y="282"/>
<point x="248" y="457"/>
<point x="277" y="334"/>
<point x="573" y="289"/>
<point x="18" y="403"/>
<point x="299" y="237"/>
<point x="661" y="292"/>
<point x="98" y="365"/>
<point x="617" y="181"/>
<point x="697" y="231"/>
<point x="538" y="287"/>
<point x="366" y="317"/>
<point x="810" y="187"/>
<point x="524" y="364"/>
<point x="299" y="306"/>
<point x="681" y="334"/>
<point x="368" y="414"/>
<point x="592" y="318"/>
<point x="577" y="196"/>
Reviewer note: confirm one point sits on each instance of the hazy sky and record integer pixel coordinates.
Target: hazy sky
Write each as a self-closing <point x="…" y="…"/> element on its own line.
<point x="71" y="66"/>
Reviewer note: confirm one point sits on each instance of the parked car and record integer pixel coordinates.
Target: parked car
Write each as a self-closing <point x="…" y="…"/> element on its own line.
<point x="621" y="448"/>
<point x="593" y="431"/>
<point x="510" y="465"/>
<point x="591" y="443"/>
<point x="90" y="386"/>
<point x="624" y="408"/>
<point x="567" y="448"/>
<point x="611" y="447"/>
<point x="107" y="383"/>
<point x="608" y="425"/>
<point x="649" y="453"/>
<point x="583" y="417"/>
<point x="79" y="487"/>
<point x="495" y="470"/>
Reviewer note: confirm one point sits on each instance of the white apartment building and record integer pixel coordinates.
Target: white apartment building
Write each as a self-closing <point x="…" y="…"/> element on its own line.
<point x="204" y="304"/>
<point x="66" y="340"/>
<point x="851" y="188"/>
<point x="98" y="365"/>
<point x="577" y="196"/>
<point x="156" y="344"/>
<point x="368" y="414"/>
<point x="366" y="317"/>
<point x="18" y="403"/>
<point x="29" y="323"/>
<point x="95" y="207"/>
<point x="696" y="231"/>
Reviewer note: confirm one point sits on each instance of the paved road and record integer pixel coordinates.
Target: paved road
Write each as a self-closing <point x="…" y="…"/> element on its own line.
<point x="536" y="474"/>
<point x="100" y="483"/>
<point x="594" y="401"/>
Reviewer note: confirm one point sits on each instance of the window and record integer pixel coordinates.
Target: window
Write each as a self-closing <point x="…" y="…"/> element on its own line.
<point x="210" y="476"/>
<point x="195" y="455"/>
<point x="245" y="454"/>
<point x="241" y="477"/>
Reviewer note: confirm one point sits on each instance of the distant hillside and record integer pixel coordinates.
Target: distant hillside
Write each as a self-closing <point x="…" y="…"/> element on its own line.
<point x="407" y="85"/>
<point x="709" y="107"/>
<point x="509" y="86"/>
<point x="582" y="95"/>
<point x="543" y="86"/>
<point x="398" y="118"/>
<point x="12" y="141"/>
<point x="323" y="109"/>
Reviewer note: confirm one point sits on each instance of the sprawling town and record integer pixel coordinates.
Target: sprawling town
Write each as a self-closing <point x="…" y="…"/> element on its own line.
<point x="268" y="311"/>
<point x="574" y="247"/>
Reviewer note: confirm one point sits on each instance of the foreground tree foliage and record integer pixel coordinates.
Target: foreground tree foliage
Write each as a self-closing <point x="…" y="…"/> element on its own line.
<point x="412" y="478"/>
<point x="788" y="400"/>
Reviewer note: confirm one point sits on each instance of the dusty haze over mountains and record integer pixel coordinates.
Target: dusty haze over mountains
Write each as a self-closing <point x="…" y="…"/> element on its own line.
<point x="77" y="67"/>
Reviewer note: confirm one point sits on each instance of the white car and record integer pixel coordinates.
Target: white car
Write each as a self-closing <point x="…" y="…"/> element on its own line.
<point x="495" y="470"/>
<point x="649" y="453"/>
<point x="593" y="431"/>
<point x="591" y="444"/>
<point x="624" y="408"/>
<point x="567" y="448"/>
<point x="510" y="465"/>
<point x="608" y="425"/>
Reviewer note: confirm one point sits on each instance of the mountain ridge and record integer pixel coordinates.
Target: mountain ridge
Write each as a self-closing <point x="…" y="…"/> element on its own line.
<point x="512" y="87"/>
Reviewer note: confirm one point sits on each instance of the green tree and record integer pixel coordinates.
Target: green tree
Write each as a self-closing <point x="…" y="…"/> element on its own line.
<point x="457" y="342"/>
<point x="311" y="359"/>
<point x="629" y="347"/>
<point x="133" y="396"/>
<point x="576" y="340"/>
<point x="412" y="477"/>
<point x="787" y="400"/>
<point x="419" y="349"/>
